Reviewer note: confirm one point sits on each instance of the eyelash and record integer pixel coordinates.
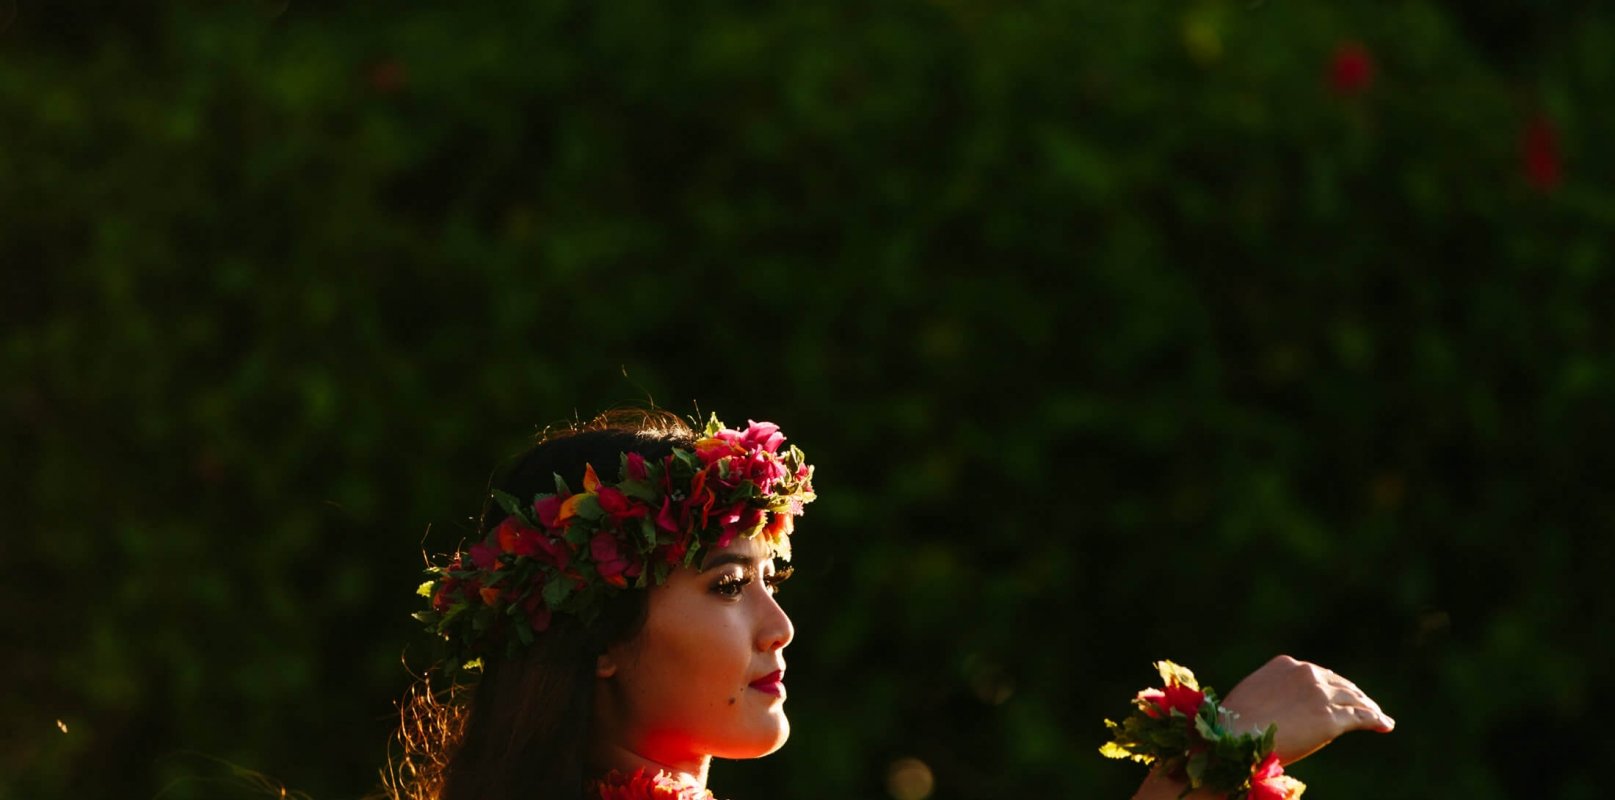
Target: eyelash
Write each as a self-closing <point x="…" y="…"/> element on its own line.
<point x="731" y="585"/>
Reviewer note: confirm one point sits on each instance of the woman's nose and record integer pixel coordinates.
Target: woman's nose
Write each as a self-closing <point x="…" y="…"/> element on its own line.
<point x="775" y="630"/>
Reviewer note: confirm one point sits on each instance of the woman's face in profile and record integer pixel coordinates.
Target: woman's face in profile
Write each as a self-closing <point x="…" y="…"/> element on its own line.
<point x="703" y="676"/>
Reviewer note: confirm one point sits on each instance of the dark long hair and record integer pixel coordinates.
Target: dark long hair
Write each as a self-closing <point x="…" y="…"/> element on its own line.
<point x="522" y="730"/>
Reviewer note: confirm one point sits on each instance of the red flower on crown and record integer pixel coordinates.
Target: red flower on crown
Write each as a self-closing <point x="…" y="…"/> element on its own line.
<point x="517" y="537"/>
<point x="634" y="467"/>
<point x="619" y="506"/>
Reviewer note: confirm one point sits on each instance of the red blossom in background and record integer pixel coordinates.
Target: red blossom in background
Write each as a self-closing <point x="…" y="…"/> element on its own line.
<point x="1540" y="156"/>
<point x="1351" y="69"/>
<point x="388" y="76"/>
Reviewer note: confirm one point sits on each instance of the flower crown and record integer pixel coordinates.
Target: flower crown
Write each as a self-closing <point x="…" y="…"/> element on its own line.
<point x="566" y="552"/>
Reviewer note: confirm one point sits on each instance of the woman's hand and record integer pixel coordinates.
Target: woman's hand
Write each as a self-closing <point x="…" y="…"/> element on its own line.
<point x="1311" y="705"/>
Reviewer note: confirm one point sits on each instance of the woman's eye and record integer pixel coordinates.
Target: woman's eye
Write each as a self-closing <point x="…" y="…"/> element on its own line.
<point x="731" y="585"/>
<point x="773" y="580"/>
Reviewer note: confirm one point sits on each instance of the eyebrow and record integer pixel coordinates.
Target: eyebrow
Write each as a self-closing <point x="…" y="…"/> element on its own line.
<point x="730" y="558"/>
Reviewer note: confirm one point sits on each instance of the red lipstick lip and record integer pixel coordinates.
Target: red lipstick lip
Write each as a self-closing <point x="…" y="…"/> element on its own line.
<point x="773" y="683"/>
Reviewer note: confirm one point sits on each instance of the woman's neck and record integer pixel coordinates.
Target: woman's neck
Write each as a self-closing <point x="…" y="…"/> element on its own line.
<point x="610" y="756"/>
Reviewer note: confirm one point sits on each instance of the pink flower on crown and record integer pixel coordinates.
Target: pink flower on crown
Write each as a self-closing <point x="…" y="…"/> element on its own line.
<point x="516" y="536"/>
<point x="738" y="519"/>
<point x="674" y="518"/>
<point x="759" y="468"/>
<point x="763" y="436"/>
<point x="485" y="556"/>
<point x="673" y="554"/>
<point x="609" y="561"/>
<point x="636" y="467"/>
<point x="620" y="506"/>
<point x="670" y="518"/>
<point x="538" y="614"/>
<point x="758" y="436"/>
<point x="548" y="510"/>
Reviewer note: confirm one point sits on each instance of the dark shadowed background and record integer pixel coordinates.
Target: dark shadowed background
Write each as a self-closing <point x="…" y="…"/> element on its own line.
<point x="1117" y="331"/>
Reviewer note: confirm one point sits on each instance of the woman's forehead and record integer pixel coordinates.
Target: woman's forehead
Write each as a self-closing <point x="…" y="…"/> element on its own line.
<point x="752" y="551"/>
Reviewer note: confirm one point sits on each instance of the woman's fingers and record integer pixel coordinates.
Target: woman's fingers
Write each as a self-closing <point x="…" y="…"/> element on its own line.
<point x="1352" y="697"/>
<point x="1359" y="718"/>
<point x="1348" y="697"/>
<point x="1347" y="694"/>
<point x="1377" y="720"/>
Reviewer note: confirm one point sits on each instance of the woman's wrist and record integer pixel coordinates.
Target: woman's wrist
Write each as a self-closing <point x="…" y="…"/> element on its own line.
<point x="1157" y="786"/>
<point x="1189" y="740"/>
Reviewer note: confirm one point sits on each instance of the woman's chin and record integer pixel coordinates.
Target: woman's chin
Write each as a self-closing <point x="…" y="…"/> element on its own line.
<point x="761" y="742"/>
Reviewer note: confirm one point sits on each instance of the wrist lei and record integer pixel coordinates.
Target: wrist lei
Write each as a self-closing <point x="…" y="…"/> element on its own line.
<point x="564" y="553"/>
<point x="1182" y="730"/>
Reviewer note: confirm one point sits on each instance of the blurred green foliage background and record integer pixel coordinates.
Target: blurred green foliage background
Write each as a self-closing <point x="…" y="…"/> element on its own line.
<point x="1118" y="331"/>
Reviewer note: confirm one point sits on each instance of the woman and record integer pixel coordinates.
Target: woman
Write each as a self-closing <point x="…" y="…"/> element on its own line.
<point x="606" y="641"/>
